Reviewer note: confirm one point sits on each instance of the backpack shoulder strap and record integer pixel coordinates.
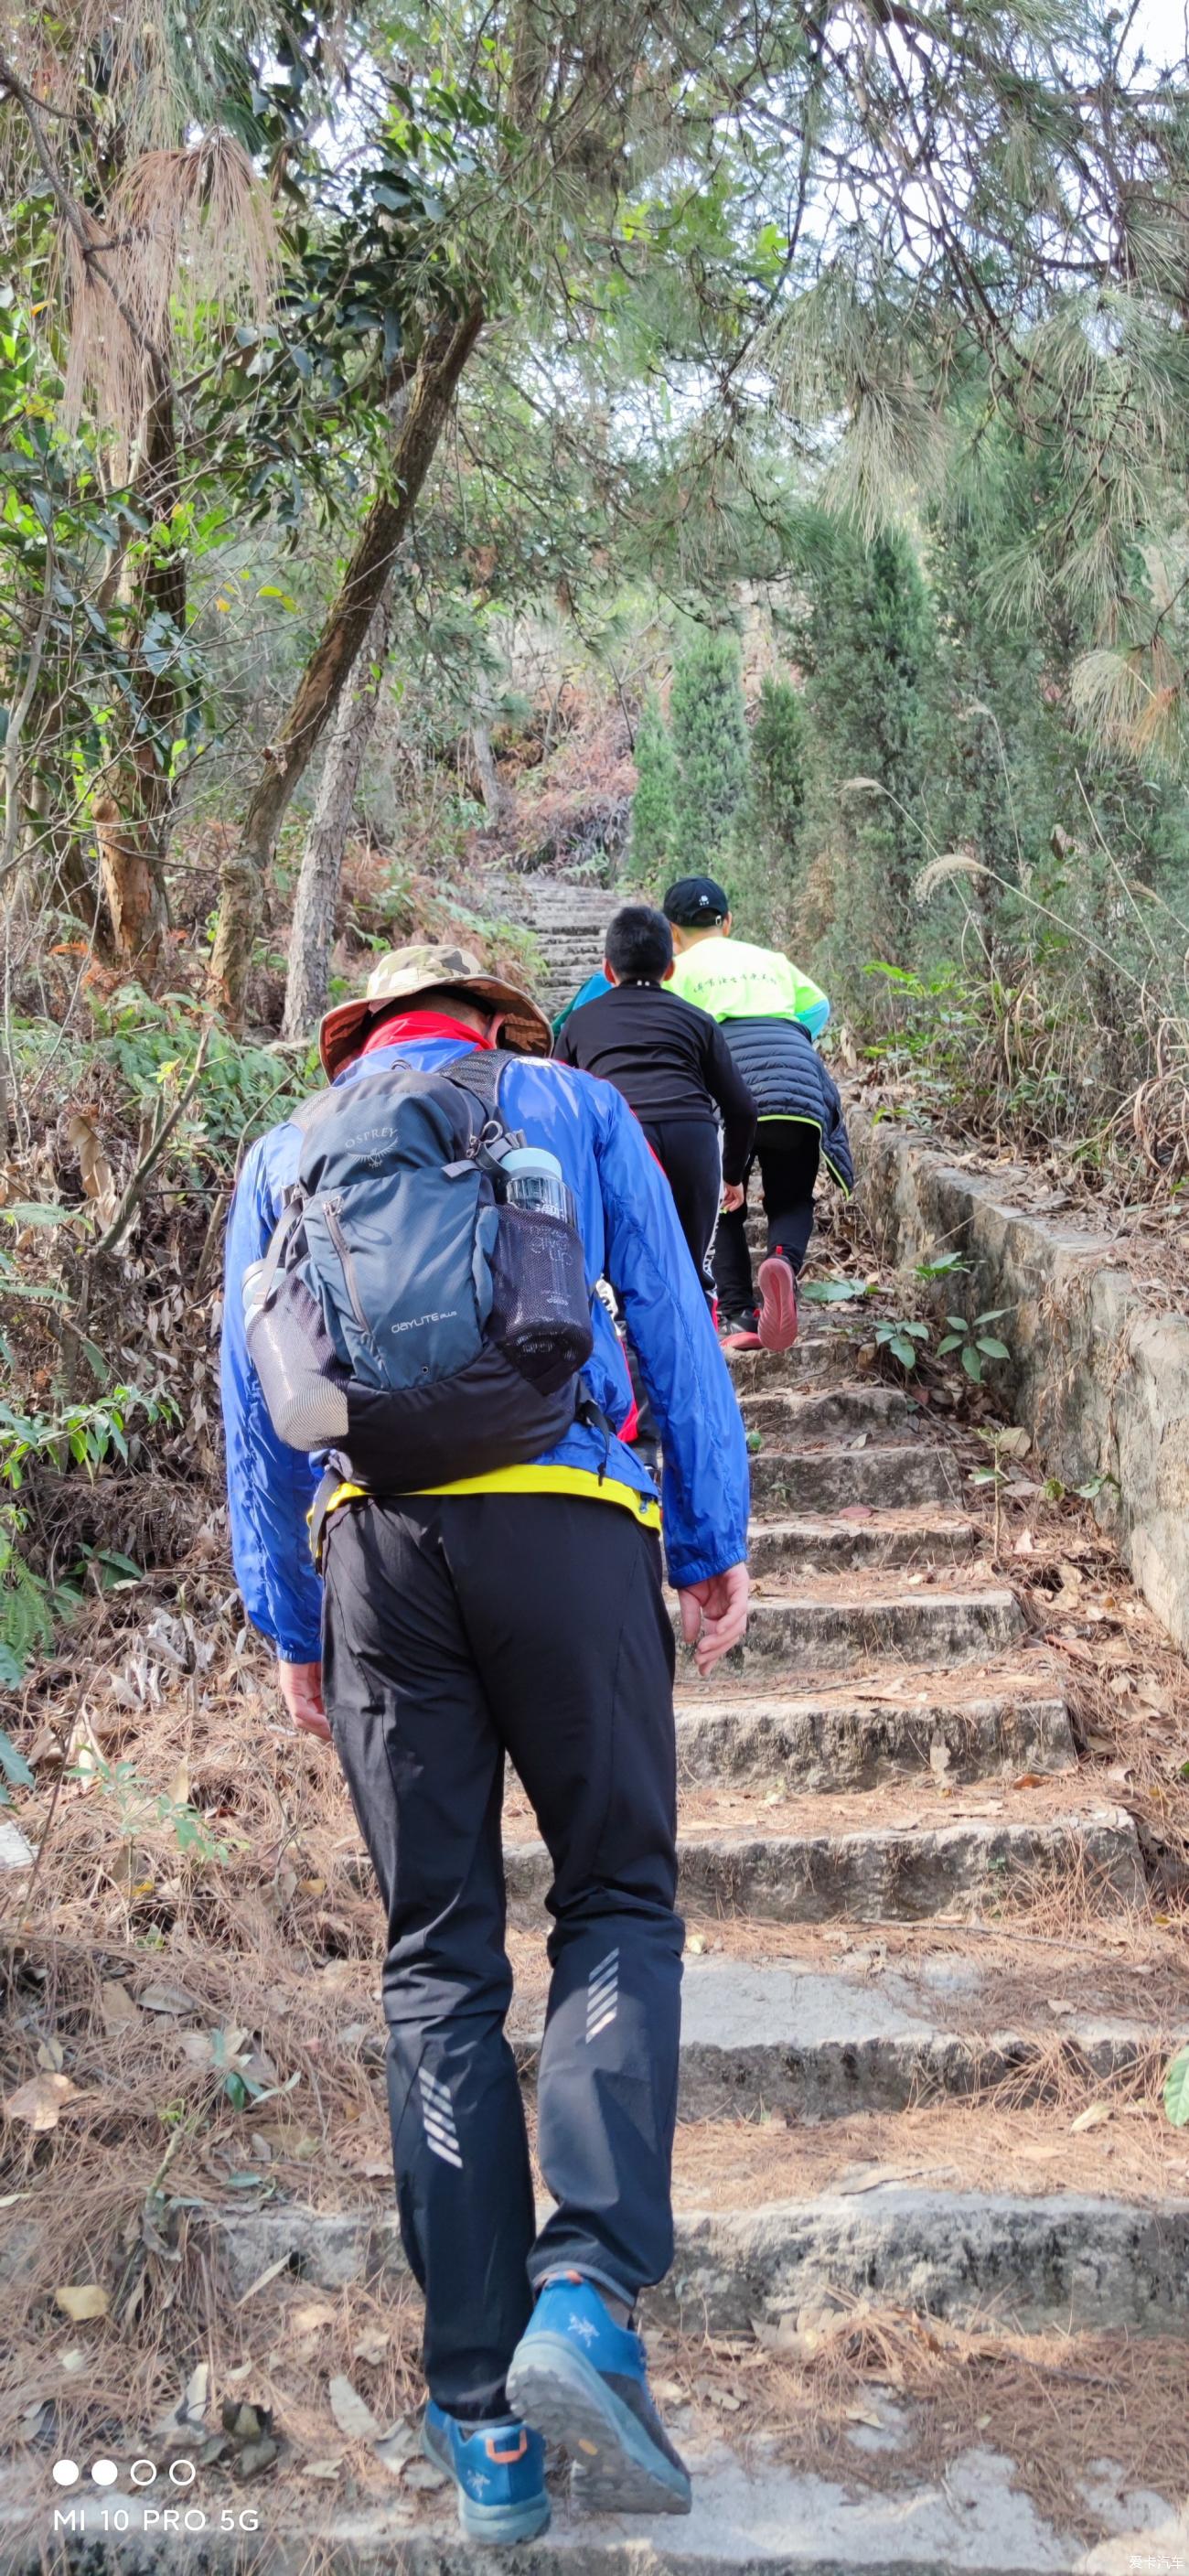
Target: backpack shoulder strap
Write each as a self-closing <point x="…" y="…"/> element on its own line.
<point x="308" y="1112"/>
<point x="479" y="1071"/>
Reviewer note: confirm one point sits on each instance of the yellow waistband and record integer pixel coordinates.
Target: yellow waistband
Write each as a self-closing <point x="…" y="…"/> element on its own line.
<point x="582" y="1481"/>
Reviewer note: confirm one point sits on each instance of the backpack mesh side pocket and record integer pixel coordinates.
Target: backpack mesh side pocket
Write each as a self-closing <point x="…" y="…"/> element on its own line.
<point x="540" y="1310"/>
<point x="303" y="1381"/>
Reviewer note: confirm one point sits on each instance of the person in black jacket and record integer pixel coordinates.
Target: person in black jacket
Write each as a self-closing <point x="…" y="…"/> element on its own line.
<point x="674" y="1068"/>
<point x="770" y="1014"/>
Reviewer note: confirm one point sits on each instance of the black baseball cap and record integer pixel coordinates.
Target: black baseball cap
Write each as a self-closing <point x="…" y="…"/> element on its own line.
<point x="695" y="902"/>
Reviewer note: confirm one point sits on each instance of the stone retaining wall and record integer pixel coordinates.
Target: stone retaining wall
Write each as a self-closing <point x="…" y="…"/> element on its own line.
<point x="1100" y="1380"/>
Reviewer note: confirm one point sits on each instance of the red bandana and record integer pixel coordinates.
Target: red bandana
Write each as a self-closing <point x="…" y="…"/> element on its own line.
<point x="398" y="1030"/>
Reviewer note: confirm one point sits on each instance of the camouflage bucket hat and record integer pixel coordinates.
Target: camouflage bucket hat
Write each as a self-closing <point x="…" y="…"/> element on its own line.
<point x="407" y="972"/>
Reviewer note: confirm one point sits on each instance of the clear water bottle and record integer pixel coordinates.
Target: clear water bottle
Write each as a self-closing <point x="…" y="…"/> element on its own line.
<point x="253" y="1291"/>
<point x="540" y="1314"/>
<point x="533" y="1180"/>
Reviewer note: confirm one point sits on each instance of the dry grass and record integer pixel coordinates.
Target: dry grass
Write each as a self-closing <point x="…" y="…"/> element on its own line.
<point x="131" y="1964"/>
<point x="1006" y="1976"/>
<point x="989" y="2142"/>
<point x="1053" y="2405"/>
<point x="277" y="2352"/>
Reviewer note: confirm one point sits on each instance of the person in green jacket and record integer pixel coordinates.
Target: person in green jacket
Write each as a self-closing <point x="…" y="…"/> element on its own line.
<point x="770" y="1015"/>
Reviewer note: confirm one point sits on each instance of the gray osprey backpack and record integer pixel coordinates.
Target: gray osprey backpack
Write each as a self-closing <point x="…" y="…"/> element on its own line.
<point x="422" y="1311"/>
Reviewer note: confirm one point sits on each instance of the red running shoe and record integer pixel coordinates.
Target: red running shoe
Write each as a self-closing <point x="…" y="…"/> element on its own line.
<point x="778" y="1303"/>
<point x="738" y="1333"/>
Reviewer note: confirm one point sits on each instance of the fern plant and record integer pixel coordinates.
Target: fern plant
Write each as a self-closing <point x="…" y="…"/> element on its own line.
<point x="26" y="1614"/>
<point x="31" y="1608"/>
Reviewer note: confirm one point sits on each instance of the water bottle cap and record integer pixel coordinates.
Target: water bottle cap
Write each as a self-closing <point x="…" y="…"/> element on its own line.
<point x="531" y="1159"/>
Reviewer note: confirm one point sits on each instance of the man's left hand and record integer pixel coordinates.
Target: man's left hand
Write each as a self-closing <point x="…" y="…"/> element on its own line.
<point x="714" y="1615"/>
<point x="732" y="1197"/>
<point x="301" y="1690"/>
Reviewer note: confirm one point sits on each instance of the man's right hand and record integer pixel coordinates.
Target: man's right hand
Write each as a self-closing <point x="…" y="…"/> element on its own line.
<point x="733" y="1197"/>
<point x="301" y="1690"/>
<point x="714" y="1615"/>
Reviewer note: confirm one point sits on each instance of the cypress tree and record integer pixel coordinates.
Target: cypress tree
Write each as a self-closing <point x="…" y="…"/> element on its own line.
<point x="768" y="823"/>
<point x="778" y="755"/>
<point x="654" y="822"/>
<point x="710" y="741"/>
<point x="869" y="645"/>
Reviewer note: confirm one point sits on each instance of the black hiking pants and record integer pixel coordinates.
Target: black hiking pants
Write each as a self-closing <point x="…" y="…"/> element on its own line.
<point x="689" y="1151"/>
<point x="690" y="1155"/>
<point x="460" y="1629"/>
<point x="788" y="1151"/>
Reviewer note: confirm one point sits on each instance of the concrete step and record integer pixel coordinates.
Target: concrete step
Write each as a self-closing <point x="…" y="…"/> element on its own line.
<point x="1019" y="2262"/>
<point x="838" y="2040"/>
<point x="825" y="1353"/>
<point x="848" y="1743"/>
<point x="826" y="1413"/>
<point x="830" y="2042"/>
<point x="887" y="1872"/>
<point x="557" y="910"/>
<point x="791" y="1547"/>
<point x="564" y="935"/>
<point x="834" y="1632"/>
<point x="583" y="958"/>
<point x="1022" y="2263"/>
<point x="885" y="1474"/>
<point x="751" y="2512"/>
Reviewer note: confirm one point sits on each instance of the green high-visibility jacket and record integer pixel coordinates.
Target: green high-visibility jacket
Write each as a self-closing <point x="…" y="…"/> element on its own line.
<point x="735" y="981"/>
<point x="770" y="1015"/>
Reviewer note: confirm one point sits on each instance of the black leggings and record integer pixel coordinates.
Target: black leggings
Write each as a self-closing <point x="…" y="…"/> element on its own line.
<point x="788" y="1151"/>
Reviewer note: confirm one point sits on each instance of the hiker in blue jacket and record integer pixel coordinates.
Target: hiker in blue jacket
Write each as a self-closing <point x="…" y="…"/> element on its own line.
<point x="516" y="1614"/>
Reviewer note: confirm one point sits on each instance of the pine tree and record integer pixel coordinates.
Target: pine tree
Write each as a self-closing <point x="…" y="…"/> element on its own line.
<point x="654" y="821"/>
<point x="710" y="741"/>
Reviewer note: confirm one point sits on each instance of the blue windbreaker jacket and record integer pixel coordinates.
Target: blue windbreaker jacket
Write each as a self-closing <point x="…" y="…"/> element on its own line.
<point x="631" y="1237"/>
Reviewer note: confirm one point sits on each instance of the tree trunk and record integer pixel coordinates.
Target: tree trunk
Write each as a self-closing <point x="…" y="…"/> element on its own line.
<point x="444" y="354"/>
<point x="129" y="873"/>
<point x="132" y="812"/>
<point x="322" y="857"/>
<point x="491" y="786"/>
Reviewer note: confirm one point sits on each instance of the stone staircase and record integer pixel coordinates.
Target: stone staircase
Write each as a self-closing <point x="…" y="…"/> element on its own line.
<point x="569" y="921"/>
<point x="860" y="1879"/>
<point x="907" y="1909"/>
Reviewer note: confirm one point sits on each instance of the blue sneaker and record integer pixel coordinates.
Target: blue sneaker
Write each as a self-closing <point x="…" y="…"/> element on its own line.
<point x="582" y="2381"/>
<point x="499" y="2471"/>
